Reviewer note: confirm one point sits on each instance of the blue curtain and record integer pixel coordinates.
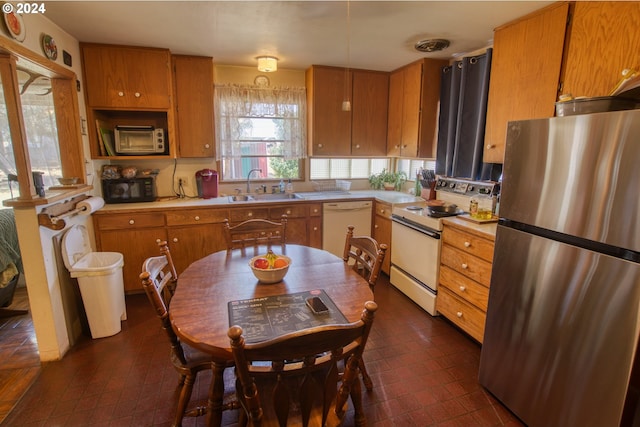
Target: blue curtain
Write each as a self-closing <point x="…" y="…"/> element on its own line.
<point x="463" y="109"/>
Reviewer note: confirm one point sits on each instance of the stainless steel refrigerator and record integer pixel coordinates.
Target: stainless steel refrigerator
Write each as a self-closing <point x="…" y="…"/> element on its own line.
<point x="563" y="317"/>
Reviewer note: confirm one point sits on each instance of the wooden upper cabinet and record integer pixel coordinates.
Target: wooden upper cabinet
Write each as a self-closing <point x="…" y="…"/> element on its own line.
<point x="603" y="41"/>
<point x="335" y="132"/>
<point x="525" y="73"/>
<point x="127" y="77"/>
<point x="414" y="95"/>
<point x="329" y="127"/>
<point x="193" y="80"/>
<point x="369" y="106"/>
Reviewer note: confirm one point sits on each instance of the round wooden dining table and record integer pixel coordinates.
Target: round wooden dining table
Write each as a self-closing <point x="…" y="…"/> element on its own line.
<point x="199" y="308"/>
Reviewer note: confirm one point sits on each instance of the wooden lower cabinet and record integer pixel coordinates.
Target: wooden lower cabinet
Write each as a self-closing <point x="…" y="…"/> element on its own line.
<point x="382" y="231"/>
<point x="192" y="233"/>
<point x="465" y="276"/>
<point x="135" y="236"/>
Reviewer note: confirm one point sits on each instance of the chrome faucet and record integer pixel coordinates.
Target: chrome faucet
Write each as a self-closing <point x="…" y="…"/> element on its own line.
<point x="249" y="179"/>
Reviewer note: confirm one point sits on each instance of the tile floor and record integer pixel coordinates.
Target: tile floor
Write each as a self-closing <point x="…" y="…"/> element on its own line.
<point x="424" y="372"/>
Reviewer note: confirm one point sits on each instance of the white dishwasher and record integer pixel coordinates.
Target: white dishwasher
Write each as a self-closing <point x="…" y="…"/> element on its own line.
<point x="337" y="216"/>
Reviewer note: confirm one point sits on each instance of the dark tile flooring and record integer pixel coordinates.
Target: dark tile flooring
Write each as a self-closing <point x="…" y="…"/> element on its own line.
<point x="424" y="372"/>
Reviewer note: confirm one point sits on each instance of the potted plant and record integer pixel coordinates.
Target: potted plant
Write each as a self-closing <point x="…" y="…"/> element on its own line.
<point x="388" y="180"/>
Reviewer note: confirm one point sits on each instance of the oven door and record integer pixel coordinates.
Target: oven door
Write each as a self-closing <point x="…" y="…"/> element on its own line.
<point x="415" y="259"/>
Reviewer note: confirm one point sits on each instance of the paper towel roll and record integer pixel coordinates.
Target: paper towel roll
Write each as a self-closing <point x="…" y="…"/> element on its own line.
<point x="90" y="205"/>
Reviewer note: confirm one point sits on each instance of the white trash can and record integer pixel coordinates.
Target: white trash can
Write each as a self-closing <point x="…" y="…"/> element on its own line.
<point x="100" y="280"/>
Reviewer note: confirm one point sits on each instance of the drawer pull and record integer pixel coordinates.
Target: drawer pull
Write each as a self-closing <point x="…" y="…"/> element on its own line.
<point x="315" y="228"/>
<point x="462" y="288"/>
<point x="459" y="314"/>
<point x="132" y="221"/>
<point x="175" y="240"/>
<point x="467" y="244"/>
<point x="197" y="218"/>
<point x="250" y="214"/>
<point x="464" y="266"/>
<point x="288" y="212"/>
<point x="315" y="210"/>
<point x="120" y="93"/>
<point x="381" y="211"/>
<point x="137" y="94"/>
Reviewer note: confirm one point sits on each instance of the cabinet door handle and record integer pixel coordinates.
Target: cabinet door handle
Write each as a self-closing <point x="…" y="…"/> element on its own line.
<point x="158" y="240"/>
<point x="464" y="266"/>
<point x="197" y="218"/>
<point x="137" y="94"/>
<point x="120" y="93"/>
<point x="315" y="211"/>
<point x="206" y="146"/>
<point x="459" y="314"/>
<point x="396" y="146"/>
<point x="462" y="288"/>
<point x="490" y="146"/>
<point x="315" y="228"/>
<point x="357" y="145"/>
<point x="132" y="221"/>
<point x="467" y="244"/>
<point x="175" y="240"/>
<point x="375" y="226"/>
<point x="319" y="145"/>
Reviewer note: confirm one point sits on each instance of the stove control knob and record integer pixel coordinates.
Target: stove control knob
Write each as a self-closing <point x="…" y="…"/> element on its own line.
<point x="471" y="188"/>
<point x="452" y="185"/>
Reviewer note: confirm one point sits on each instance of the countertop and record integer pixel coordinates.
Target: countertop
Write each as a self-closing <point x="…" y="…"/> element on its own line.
<point x="391" y="197"/>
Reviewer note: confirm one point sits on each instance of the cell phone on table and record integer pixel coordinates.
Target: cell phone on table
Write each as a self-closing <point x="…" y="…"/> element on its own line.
<point x="316" y="305"/>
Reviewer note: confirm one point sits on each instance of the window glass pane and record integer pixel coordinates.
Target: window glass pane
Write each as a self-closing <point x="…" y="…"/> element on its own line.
<point x="40" y="124"/>
<point x="8" y="190"/>
<point x="412" y="166"/>
<point x="323" y="168"/>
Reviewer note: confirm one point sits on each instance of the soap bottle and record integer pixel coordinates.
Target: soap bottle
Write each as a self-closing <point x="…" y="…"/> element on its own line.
<point x="282" y="185"/>
<point x="289" y="188"/>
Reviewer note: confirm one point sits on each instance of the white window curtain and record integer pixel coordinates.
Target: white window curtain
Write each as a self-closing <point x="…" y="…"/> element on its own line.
<point x="236" y="102"/>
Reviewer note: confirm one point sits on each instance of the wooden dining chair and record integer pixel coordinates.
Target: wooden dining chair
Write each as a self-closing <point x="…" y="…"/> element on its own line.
<point x="254" y="232"/>
<point x="366" y="254"/>
<point x="295" y="379"/>
<point x="367" y="257"/>
<point x="156" y="277"/>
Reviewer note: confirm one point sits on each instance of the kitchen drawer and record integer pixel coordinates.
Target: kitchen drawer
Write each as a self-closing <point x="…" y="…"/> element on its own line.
<point x="243" y="214"/>
<point x="477" y="246"/>
<point x="464" y="315"/>
<point x="315" y="209"/>
<point x="297" y="211"/>
<point x="131" y="220"/>
<point x="466" y="264"/>
<point x="196" y="216"/>
<point x="465" y="288"/>
<point x="383" y="209"/>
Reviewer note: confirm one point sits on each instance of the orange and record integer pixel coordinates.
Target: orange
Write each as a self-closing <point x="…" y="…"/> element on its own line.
<point x="279" y="263"/>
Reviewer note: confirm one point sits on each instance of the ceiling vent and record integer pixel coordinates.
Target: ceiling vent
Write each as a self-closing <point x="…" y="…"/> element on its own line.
<point x="431" y="45"/>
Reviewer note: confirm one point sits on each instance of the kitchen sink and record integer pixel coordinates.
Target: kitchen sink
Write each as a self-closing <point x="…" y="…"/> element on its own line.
<point x="263" y="197"/>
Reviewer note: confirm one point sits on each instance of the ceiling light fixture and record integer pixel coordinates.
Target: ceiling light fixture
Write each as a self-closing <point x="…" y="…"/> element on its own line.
<point x="431" y="45"/>
<point x="267" y="64"/>
<point x="346" y="103"/>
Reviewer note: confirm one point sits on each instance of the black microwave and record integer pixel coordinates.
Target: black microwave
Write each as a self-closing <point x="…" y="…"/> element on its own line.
<point x="129" y="190"/>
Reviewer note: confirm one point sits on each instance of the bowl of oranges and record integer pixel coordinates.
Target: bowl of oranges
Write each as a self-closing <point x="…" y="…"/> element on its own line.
<point x="270" y="268"/>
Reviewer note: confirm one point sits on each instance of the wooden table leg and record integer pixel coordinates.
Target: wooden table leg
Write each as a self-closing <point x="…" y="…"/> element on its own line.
<point x="216" y="395"/>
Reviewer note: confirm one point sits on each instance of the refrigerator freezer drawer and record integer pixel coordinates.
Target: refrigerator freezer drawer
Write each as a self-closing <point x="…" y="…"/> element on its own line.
<point x="561" y="331"/>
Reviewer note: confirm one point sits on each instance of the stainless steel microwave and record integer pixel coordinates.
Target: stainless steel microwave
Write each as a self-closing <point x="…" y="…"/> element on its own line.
<point x="140" y="140"/>
<point x="129" y="190"/>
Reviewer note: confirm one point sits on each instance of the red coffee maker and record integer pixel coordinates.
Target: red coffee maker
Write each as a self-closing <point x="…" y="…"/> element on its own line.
<point x="207" y="183"/>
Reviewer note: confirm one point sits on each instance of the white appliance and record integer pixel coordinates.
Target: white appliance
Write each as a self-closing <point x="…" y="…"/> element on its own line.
<point x="337" y="216"/>
<point x="416" y="243"/>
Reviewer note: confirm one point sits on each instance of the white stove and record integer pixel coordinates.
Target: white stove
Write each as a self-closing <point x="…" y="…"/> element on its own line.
<point x="416" y="243"/>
